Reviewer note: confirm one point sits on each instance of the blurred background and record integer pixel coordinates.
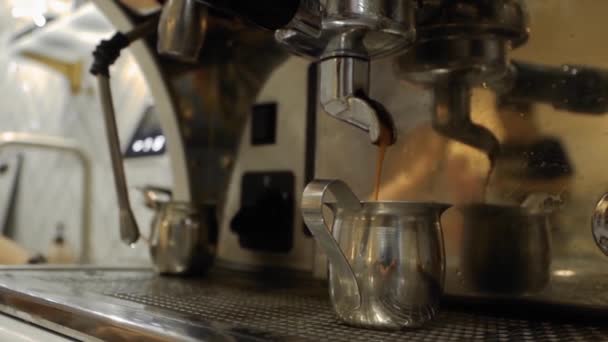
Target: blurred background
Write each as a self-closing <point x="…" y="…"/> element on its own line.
<point x="45" y="88"/>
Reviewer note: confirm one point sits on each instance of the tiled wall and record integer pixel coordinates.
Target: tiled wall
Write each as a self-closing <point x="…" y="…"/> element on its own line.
<point x="36" y="99"/>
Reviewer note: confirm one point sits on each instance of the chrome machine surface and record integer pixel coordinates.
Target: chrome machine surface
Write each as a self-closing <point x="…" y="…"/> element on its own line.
<point x="211" y="99"/>
<point x="115" y="304"/>
<point x="546" y="115"/>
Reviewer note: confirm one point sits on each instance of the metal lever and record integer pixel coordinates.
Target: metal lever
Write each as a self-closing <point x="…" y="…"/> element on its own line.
<point x="129" y="232"/>
<point x="105" y="54"/>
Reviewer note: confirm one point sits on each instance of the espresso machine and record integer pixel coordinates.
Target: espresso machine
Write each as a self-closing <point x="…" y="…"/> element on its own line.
<point x="482" y="121"/>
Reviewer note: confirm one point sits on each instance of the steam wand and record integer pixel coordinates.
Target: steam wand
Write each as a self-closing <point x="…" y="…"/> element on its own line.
<point x="105" y="54"/>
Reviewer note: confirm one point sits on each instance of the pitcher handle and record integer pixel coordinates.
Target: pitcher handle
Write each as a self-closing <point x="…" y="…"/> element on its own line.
<point x="312" y="211"/>
<point x="599" y="224"/>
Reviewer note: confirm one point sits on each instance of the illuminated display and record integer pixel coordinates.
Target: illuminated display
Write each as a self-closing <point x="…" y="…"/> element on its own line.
<point x="148" y="139"/>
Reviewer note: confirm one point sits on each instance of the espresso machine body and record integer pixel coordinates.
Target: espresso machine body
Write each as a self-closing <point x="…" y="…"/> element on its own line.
<point x="260" y="225"/>
<point x="492" y="198"/>
<point x="486" y="113"/>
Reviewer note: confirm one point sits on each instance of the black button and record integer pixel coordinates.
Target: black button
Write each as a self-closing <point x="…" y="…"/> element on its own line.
<point x="264" y="124"/>
<point x="265" y="221"/>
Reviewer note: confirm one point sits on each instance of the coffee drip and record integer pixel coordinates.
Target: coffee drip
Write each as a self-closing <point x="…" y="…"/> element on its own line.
<point x="383" y="143"/>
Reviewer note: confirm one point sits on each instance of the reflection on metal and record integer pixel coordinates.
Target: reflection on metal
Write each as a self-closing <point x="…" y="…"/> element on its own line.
<point x="505" y="249"/>
<point x="545" y="149"/>
<point x="452" y="118"/>
<point x="182" y="29"/>
<point x="461" y="45"/>
<point x="71" y="71"/>
<point x="600" y="224"/>
<point x="44" y="142"/>
<point x="214" y="101"/>
<point x="425" y="166"/>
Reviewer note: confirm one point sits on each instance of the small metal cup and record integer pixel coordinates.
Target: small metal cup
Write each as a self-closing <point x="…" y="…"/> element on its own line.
<point x="181" y="237"/>
<point x="386" y="258"/>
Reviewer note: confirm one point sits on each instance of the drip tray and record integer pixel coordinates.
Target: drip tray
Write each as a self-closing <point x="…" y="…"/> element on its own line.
<point x="116" y="304"/>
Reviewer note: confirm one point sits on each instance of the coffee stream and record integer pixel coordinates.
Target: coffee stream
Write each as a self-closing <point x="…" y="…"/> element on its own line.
<point x="383" y="143"/>
<point x="486" y="182"/>
<point x="486" y="185"/>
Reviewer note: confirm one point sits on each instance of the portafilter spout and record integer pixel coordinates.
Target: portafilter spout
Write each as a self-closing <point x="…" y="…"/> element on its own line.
<point x="344" y="36"/>
<point x="344" y="87"/>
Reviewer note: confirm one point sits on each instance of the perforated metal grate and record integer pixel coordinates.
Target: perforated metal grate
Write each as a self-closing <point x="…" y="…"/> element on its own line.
<point x="310" y="318"/>
<point x="288" y="312"/>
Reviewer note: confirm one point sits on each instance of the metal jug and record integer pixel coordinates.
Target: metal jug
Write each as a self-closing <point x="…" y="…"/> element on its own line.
<point x="181" y="238"/>
<point x="386" y="258"/>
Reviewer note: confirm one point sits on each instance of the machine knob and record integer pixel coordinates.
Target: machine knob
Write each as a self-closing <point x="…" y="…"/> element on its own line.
<point x="599" y="225"/>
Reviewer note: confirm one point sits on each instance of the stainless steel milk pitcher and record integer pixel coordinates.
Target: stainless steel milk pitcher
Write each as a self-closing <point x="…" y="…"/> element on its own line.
<point x="386" y="258"/>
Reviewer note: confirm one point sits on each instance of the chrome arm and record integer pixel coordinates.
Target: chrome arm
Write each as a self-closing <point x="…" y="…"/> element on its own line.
<point x="129" y="232"/>
<point x="45" y="142"/>
<point x="105" y="54"/>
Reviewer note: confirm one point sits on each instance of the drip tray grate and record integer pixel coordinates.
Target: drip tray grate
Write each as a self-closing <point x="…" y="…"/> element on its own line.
<point x="311" y="318"/>
<point x="300" y="311"/>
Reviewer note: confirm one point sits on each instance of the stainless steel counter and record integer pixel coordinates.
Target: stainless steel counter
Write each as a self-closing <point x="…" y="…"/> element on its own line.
<point x="135" y="304"/>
